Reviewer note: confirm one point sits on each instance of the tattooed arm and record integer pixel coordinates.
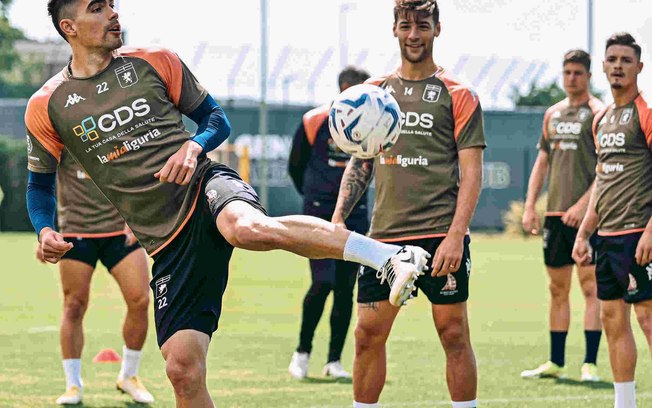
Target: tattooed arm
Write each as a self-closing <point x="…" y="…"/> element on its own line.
<point x="355" y="181"/>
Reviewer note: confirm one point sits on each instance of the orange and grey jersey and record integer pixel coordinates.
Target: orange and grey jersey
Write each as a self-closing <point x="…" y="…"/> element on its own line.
<point x="122" y="125"/>
<point x="568" y="139"/>
<point x="417" y="181"/>
<point x="623" y="137"/>
<point x="82" y="209"/>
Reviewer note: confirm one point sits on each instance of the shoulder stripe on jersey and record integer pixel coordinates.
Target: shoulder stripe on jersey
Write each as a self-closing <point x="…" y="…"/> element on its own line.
<point x="465" y="101"/>
<point x="645" y="117"/>
<point x="376" y="80"/>
<point x="595" y="104"/>
<point x="596" y="120"/>
<point x="312" y="121"/>
<point x="37" y="119"/>
<point x="165" y="62"/>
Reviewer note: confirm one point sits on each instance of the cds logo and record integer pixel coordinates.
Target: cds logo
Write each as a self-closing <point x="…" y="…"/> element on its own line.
<point x="568" y="128"/>
<point x="611" y="139"/>
<point x="86" y="130"/>
<point x="123" y="115"/>
<point x="424" y="120"/>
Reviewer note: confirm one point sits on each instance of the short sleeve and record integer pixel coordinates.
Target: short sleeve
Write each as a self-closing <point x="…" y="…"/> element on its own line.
<point x="44" y="145"/>
<point x="468" y="118"/>
<point x="544" y="140"/>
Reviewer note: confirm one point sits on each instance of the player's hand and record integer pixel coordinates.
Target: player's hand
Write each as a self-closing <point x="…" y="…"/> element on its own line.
<point x="39" y="254"/>
<point x="644" y="249"/>
<point x="573" y="216"/>
<point x="130" y="238"/>
<point x="582" y="251"/>
<point x="180" y="166"/>
<point x="448" y="255"/>
<point x="53" y="246"/>
<point x="531" y="221"/>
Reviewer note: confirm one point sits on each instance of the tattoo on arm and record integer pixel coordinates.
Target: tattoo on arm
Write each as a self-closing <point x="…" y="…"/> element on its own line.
<point x="355" y="181"/>
<point x="371" y="306"/>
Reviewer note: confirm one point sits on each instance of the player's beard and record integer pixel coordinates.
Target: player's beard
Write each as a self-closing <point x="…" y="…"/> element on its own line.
<point x="424" y="55"/>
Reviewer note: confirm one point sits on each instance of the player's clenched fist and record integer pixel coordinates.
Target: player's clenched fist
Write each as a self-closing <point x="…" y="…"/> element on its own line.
<point x="180" y="166"/>
<point x="582" y="251"/>
<point x="53" y="246"/>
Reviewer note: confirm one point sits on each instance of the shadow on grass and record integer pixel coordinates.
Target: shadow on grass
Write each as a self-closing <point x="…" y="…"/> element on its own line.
<point x="597" y="385"/>
<point x="129" y="404"/>
<point x="326" y="380"/>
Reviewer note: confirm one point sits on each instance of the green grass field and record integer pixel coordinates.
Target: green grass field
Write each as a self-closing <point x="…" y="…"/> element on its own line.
<point x="250" y="352"/>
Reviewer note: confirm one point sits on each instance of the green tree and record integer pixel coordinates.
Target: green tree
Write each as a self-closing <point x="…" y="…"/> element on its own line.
<point x="544" y="96"/>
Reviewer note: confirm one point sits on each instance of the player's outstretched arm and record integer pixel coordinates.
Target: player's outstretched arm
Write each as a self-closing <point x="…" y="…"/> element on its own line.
<point x="355" y="181"/>
<point x="531" y="222"/>
<point x="41" y="206"/>
<point x="449" y="253"/>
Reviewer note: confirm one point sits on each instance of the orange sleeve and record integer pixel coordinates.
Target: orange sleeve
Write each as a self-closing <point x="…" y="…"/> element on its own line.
<point x="645" y="116"/>
<point x="38" y="122"/>
<point x="595" y="104"/>
<point x="375" y="80"/>
<point x="167" y="65"/>
<point x="546" y="119"/>
<point x="313" y="120"/>
<point x="465" y="103"/>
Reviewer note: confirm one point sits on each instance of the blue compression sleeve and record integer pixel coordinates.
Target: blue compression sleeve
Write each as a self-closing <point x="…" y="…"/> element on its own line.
<point x="214" y="127"/>
<point x="41" y="200"/>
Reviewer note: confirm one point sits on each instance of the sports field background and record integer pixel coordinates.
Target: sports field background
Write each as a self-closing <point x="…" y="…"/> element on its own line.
<point x="248" y="358"/>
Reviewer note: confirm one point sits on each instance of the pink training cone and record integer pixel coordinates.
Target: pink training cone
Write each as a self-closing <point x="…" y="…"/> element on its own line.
<point x="107" y="356"/>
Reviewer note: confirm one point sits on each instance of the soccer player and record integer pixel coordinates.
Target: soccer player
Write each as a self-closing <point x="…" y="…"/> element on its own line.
<point x="567" y="158"/>
<point x="427" y="188"/>
<point x="316" y="166"/>
<point x="621" y="210"/>
<point x="118" y="112"/>
<point x="97" y="232"/>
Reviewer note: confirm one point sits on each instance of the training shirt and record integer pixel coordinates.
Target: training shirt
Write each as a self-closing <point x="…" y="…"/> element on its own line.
<point x="568" y="139"/>
<point x="82" y="209"/>
<point x="316" y="163"/>
<point x="122" y="125"/>
<point x="623" y="137"/>
<point x="417" y="180"/>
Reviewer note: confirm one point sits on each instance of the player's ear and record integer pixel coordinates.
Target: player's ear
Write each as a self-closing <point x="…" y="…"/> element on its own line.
<point x="438" y="29"/>
<point x="68" y="27"/>
<point x="604" y="66"/>
<point x="394" y="30"/>
<point x="640" y="66"/>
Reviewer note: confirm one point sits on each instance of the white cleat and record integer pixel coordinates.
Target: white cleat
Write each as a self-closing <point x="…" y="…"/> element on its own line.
<point x="135" y="388"/>
<point x="72" y="396"/>
<point x="401" y="272"/>
<point x="334" y="369"/>
<point x="299" y="365"/>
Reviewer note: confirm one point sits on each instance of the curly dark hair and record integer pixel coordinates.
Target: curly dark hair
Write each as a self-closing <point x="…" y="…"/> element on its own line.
<point x="623" y="38"/>
<point x="423" y="7"/>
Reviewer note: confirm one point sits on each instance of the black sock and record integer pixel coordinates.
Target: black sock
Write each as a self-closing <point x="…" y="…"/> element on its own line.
<point x="558" y="347"/>
<point x="592" y="345"/>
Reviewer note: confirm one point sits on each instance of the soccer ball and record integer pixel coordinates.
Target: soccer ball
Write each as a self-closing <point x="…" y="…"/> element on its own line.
<point x="365" y="120"/>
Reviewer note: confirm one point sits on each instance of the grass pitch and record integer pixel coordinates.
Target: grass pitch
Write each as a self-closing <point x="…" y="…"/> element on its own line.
<point x="259" y="328"/>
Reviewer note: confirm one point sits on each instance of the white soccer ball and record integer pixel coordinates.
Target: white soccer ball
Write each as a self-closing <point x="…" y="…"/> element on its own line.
<point x="365" y="120"/>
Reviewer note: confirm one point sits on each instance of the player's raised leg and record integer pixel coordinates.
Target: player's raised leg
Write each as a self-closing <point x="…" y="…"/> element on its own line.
<point x="132" y="275"/>
<point x="185" y="364"/>
<point x="452" y="324"/>
<point x="75" y="283"/>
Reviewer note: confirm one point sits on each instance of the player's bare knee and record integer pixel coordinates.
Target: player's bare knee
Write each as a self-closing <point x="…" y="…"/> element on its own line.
<point x="74" y="307"/>
<point x="368" y="337"/>
<point x="185" y="373"/>
<point x="453" y="336"/>
<point x="558" y="291"/>
<point x="138" y="303"/>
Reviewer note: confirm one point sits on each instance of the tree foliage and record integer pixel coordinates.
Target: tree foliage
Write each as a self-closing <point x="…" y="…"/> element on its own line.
<point x="544" y="96"/>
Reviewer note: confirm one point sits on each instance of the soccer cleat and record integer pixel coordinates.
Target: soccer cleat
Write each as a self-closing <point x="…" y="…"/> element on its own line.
<point x="546" y="370"/>
<point x="335" y="369"/>
<point x="299" y="365"/>
<point x="135" y="388"/>
<point x="72" y="396"/>
<point x="401" y="271"/>
<point x="589" y="373"/>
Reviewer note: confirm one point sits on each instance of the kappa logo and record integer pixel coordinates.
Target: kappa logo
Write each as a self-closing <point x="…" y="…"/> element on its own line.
<point x="390" y="89"/>
<point x="583" y="114"/>
<point x="126" y="75"/>
<point x="431" y="93"/>
<point x="73" y="99"/>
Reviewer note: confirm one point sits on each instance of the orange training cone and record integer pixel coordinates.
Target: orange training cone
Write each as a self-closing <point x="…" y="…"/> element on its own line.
<point x="107" y="356"/>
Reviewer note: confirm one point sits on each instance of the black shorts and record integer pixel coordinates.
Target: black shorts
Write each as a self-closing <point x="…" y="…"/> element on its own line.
<point x="191" y="273"/>
<point x="325" y="270"/>
<point x="110" y="250"/>
<point x="617" y="273"/>
<point x="443" y="290"/>
<point x="558" y="241"/>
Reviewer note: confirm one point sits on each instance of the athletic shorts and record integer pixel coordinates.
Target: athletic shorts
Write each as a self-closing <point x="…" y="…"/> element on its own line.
<point x="110" y="250"/>
<point x="442" y="290"/>
<point x="325" y="270"/>
<point x="617" y="273"/>
<point x="191" y="273"/>
<point x="558" y="241"/>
